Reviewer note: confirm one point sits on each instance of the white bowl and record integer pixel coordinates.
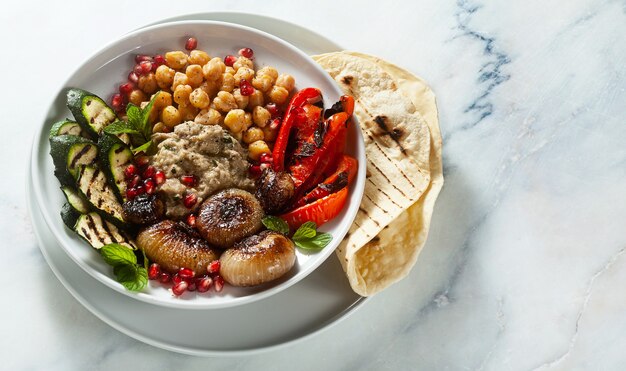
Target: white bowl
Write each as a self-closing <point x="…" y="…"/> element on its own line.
<point x="104" y="71"/>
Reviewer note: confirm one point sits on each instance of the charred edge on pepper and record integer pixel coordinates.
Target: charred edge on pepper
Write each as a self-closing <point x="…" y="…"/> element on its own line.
<point x="306" y="150"/>
<point x="340" y="182"/>
<point x="320" y="133"/>
<point x="335" y="108"/>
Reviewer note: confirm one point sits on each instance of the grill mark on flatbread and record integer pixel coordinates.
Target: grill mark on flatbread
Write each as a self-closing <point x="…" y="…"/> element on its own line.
<point x="368" y="216"/>
<point x="347" y="80"/>
<point x="389" y="181"/>
<point x="364" y="232"/>
<point x="388" y="159"/>
<point x="374" y="203"/>
<point x="383" y="192"/>
<point x="385" y="125"/>
<point x="395" y="134"/>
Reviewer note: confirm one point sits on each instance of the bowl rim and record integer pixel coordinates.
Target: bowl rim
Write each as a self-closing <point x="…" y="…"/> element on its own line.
<point x="341" y="229"/>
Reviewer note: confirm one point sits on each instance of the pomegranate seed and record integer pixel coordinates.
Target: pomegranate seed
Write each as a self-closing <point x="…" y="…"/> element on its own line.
<point x="176" y="278"/>
<point x="127" y="88"/>
<point x="154" y="271"/>
<point x="264" y="166"/>
<point x="246" y="52"/>
<point x="117" y="101"/>
<point x="273" y="109"/>
<point x="142" y="57"/>
<point x="190" y="200"/>
<point x="142" y="160"/>
<point x="191" y="43"/>
<point x="165" y="277"/>
<point x="275" y="124"/>
<point x="150" y="186"/>
<point x="140" y="189"/>
<point x="130" y="171"/>
<point x="254" y="171"/>
<point x="159" y="177"/>
<point x="136" y="181"/>
<point x="213" y="267"/>
<point x="133" y="77"/>
<point x="191" y="220"/>
<point x="266" y="158"/>
<point x="159" y="60"/>
<point x="137" y="70"/>
<point x="192" y="285"/>
<point x="204" y="283"/>
<point x="229" y="60"/>
<point x="185" y="273"/>
<point x="146" y="67"/>
<point x="219" y="283"/>
<point x="131" y="193"/>
<point x="149" y="172"/>
<point x="188" y="180"/>
<point x="245" y="88"/>
<point x="179" y="288"/>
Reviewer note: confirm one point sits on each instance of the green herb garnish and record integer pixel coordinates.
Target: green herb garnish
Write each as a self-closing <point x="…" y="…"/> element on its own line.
<point x="125" y="268"/>
<point x="306" y="237"/>
<point x="137" y="126"/>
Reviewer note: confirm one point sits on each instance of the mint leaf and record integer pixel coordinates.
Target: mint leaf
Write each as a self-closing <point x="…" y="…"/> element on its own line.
<point x="318" y="242"/>
<point x="306" y="230"/>
<point x="115" y="254"/>
<point x="119" y="127"/>
<point x="131" y="276"/>
<point x="134" y="115"/>
<point x="274" y="223"/>
<point x="125" y="268"/>
<point x="147" y="148"/>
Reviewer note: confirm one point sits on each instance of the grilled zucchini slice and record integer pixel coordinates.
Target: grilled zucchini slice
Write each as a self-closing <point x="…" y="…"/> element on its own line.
<point x="99" y="232"/>
<point x="66" y="127"/>
<point x="90" y="111"/>
<point x="68" y="153"/>
<point x="115" y="156"/>
<point x="93" y="184"/>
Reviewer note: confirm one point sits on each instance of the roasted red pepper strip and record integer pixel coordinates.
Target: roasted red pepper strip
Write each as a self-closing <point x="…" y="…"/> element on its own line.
<point x="307" y="171"/>
<point x="347" y="104"/>
<point x="343" y="176"/>
<point x="304" y="96"/>
<point x="319" y="211"/>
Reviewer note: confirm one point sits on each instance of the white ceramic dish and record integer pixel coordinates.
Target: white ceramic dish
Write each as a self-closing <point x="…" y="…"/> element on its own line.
<point x="106" y="69"/>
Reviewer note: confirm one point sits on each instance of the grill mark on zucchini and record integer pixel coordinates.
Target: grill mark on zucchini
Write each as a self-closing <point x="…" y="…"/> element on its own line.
<point x="92" y="226"/>
<point x="79" y="155"/>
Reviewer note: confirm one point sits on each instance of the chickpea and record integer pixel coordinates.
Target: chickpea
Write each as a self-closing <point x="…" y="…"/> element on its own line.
<point x="160" y="127"/>
<point x="261" y="116"/>
<point x="237" y="136"/>
<point x="194" y="75"/>
<point x="148" y="83"/>
<point x="188" y="112"/>
<point x="234" y="120"/>
<point x="181" y="94"/>
<point x="242" y="100"/>
<point x="198" y="57"/>
<point x="286" y="81"/>
<point x="256" y="149"/>
<point x="262" y="82"/>
<point x="164" y="76"/>
<point x="243" y="62"/>
<point x="244" y="73"/>
<point x="252" y="135"/>
<point x="269" y="71"/>
<point x="278" y="94"/>
<point x="176" y="60"/>
<point x="213" y="69"/>
<point x="162" y="99"/>
<point x="179" y="79"/>
<point x="199" y="98"/>
<point x="170" y="116"/>
<point x="270" y="133"/>
<point x="230" y="70"/>
<point x="247" y="120"/>
<point x="256" y="99"/>
<point x="225" y="102"/>
<point x="211" y="88"/>
<point x="137" y="96"/>
<point x="208" y="116"/>
<point x="228" y="82"/>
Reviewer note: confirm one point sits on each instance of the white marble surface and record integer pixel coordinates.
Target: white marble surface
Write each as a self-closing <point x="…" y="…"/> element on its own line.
<point x="525" y="266"/>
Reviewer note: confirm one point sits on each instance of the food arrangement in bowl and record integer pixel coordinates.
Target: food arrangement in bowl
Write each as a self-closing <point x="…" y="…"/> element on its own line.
<point x="203" y="171"/>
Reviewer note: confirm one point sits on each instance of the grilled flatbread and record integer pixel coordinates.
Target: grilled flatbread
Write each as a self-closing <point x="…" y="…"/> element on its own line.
<point x="404" y="171"/>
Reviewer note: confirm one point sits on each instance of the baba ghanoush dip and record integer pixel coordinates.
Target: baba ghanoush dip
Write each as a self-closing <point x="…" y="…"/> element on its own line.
<point x="198" y="160"/>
